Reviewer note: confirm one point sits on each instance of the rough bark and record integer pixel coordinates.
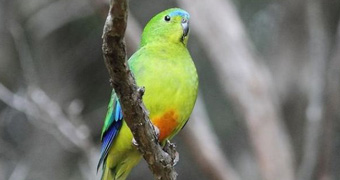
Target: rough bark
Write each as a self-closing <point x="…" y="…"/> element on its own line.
<point x="130" y="95"/>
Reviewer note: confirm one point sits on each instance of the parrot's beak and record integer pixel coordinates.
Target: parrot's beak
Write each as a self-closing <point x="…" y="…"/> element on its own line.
<point x="185" y="26"/>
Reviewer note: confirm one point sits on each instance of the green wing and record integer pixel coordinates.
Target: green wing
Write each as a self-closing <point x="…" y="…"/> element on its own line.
<point x="112" y="125"/>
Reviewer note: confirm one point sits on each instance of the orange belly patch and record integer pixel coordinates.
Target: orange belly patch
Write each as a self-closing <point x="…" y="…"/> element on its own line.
<point x="166" y="123"/>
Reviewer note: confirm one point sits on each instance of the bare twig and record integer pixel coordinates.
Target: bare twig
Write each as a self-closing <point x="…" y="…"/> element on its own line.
<point x="135" y="114"/>
<point x="44" y="111"/>
<point x="36" y="103"/>
<point x="48" y="19"/>
<point x="316" y="78"/>
<point x="20" y="171"/>
<point x="246" y="81"/>
<point x="25" y="55"/>
<point x="40" y="105"/>
<point x="204" y="143"/>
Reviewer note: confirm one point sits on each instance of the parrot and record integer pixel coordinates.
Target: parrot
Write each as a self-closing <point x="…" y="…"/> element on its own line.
<point x="164" y="67"/>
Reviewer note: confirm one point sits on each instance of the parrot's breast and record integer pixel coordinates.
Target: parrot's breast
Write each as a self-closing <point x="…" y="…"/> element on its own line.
<point x="166" y="123"/>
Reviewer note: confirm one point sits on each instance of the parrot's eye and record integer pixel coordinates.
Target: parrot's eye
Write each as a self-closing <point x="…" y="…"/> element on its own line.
<point x="167" y="18"/>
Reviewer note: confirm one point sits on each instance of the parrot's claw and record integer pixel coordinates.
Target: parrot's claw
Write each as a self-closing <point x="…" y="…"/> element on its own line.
<point x="134" y="142"/>
<point x="141" y="91"/>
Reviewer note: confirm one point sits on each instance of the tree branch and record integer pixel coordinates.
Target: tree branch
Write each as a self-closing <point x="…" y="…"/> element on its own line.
<point x="42" y="111"/>
<point x="130" y="95"/>
<point x="318" y="46"/>
<point x="48" y="18"/>
<point x="331" y="114"/>
<point x="46" y="112"/>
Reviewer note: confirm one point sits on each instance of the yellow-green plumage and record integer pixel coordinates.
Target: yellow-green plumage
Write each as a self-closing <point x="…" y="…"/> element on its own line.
<point x="164" y="67"/>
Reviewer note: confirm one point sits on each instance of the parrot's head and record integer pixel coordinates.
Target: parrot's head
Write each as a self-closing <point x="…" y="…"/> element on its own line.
<point x="171" y="26"/>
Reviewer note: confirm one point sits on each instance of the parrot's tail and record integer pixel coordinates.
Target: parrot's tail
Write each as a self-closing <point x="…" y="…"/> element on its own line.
<point x="114" y="174"/>
<point x="107" y="174"/>
<point x="122" y="169"/>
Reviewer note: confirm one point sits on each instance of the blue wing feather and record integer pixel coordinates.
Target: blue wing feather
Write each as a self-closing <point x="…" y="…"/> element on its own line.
<point x="115" y="121"/>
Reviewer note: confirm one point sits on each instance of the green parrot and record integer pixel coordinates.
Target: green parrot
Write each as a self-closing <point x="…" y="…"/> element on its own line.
<point x="164" y="67"/>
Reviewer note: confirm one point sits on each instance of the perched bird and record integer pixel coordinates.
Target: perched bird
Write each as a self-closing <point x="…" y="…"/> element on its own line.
<point x="164" y="67"/>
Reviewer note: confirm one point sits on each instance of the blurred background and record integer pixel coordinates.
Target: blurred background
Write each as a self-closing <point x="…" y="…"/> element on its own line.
<point x="269" y="98"/>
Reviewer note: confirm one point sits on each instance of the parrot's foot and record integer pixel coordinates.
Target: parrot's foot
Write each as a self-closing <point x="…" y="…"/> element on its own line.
<point x="141" y="91"/>
<point x="170" y="148"/>
<point x="134" y="142"/>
